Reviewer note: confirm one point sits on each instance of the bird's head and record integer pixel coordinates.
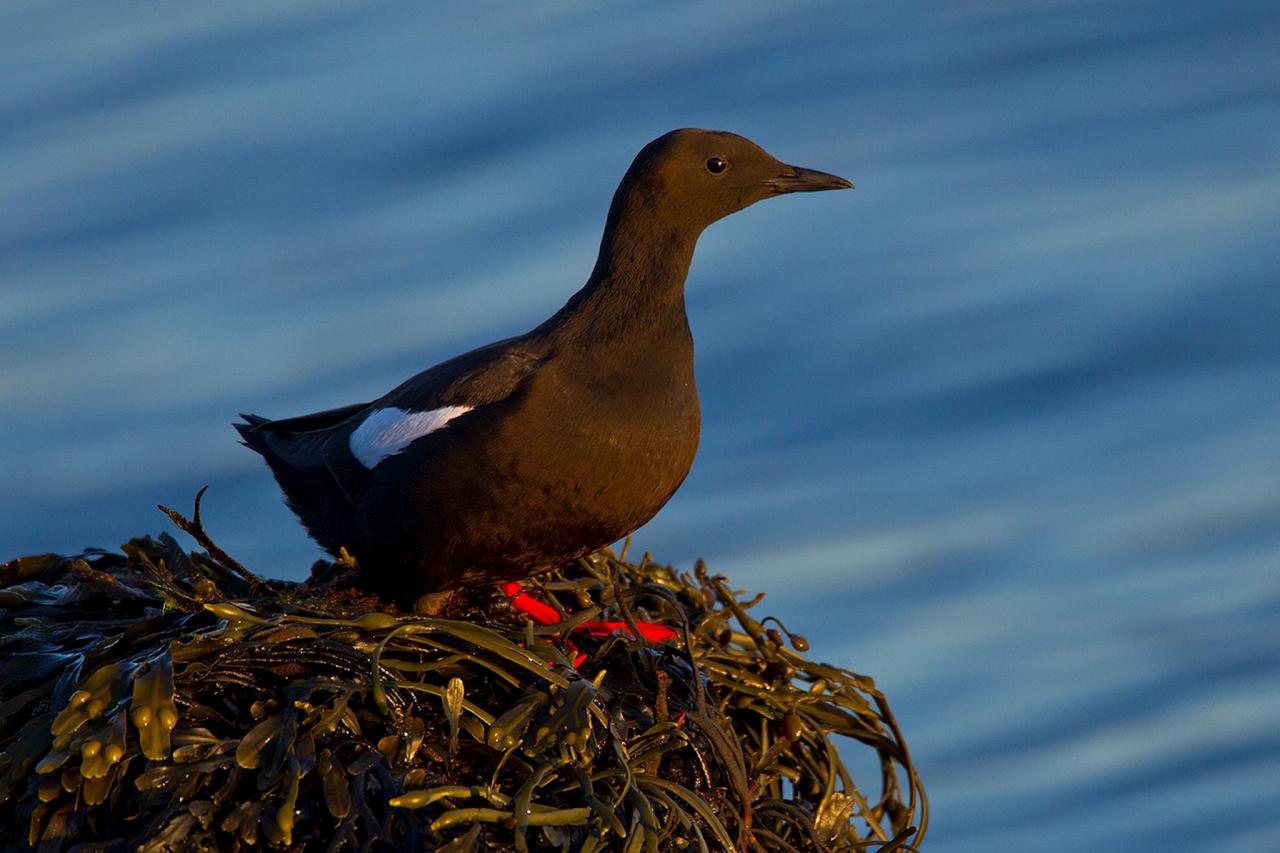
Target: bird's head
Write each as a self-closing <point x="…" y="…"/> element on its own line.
<point x="699" y="176"/>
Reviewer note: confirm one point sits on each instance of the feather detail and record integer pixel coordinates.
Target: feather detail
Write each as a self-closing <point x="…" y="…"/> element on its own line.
<point x="386" y="432"/>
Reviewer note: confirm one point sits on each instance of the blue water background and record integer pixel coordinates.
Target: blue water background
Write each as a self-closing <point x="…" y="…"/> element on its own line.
<point x="1001" y="427"/>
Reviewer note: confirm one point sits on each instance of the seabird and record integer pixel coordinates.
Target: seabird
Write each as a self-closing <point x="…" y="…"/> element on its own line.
<point x="522" y="455"/>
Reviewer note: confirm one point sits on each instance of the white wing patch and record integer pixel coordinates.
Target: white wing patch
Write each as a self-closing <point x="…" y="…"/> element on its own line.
<point x="387" y="432"/>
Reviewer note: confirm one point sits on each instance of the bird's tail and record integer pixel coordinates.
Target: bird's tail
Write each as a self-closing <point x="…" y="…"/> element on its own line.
<point x="309" y="490"/>
<point x="254" y="440"/>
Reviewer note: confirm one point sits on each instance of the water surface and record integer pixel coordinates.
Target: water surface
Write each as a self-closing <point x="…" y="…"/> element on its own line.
<point x="1001" y="427"/>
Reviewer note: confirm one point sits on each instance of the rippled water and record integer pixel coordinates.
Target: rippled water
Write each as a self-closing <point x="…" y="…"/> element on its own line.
<point x="1001" y="427"/>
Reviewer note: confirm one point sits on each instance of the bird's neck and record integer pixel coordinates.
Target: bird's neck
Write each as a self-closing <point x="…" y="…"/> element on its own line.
<point x="636" y="290"/>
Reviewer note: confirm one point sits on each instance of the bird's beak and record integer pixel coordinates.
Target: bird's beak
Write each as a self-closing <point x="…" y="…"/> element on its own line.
<point x="795" y="179"/>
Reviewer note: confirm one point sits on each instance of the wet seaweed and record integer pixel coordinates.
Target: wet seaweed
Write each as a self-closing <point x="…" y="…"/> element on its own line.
<point x="156" y="699"/>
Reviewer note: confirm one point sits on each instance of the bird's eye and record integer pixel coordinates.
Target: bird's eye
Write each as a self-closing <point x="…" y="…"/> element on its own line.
<point x="715" y="165"/>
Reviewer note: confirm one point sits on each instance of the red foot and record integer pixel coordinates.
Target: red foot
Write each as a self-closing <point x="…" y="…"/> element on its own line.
<point x="544" y="614"/>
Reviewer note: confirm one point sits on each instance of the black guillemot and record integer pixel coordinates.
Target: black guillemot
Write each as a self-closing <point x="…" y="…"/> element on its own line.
<point x="522" y="455"/>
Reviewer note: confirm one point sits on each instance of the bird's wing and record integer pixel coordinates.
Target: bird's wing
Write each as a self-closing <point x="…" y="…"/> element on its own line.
<point x="297" y="442"/>
<point x="320" y="444"/>
<point x="422" y="405"/>
<point x="305" y="423"/>
<point x="473" y="379"/>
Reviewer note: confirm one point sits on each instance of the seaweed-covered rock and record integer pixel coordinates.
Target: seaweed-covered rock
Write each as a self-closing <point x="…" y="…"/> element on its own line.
<point x="160" y="700"/>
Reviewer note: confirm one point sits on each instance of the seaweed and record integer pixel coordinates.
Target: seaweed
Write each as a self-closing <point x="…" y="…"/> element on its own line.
<point x="156" y="699"/>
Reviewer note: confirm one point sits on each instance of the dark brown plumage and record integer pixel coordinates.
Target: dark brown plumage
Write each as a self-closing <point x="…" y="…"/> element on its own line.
<point x="527" y="453"/>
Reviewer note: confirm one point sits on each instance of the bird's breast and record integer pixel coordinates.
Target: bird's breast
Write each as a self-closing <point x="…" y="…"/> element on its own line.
<point x="611" y="451"/>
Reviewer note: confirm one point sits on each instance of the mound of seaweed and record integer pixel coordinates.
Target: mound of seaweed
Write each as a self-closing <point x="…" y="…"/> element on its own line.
<point x="163" y="700"/>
